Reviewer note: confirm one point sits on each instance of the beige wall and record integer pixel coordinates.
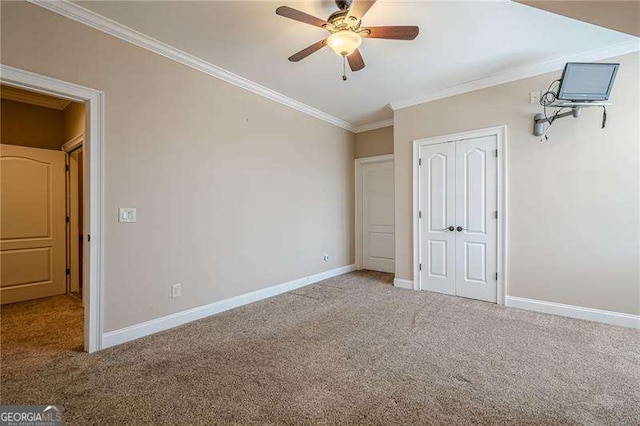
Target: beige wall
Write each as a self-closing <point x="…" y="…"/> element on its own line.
<point x="374" y="142"/>
<point x="573" y="201"/>
<point x="39" y="127"/>
<point x="234" y="192"/>
<point x="30" y="125"/>
<point x="73" y="120"/>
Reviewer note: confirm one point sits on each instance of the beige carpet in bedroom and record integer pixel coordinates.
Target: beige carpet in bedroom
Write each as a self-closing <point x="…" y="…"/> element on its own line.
<point x="348" y="350"/>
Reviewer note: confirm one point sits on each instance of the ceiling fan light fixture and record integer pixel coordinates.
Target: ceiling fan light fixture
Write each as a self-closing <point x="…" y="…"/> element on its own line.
<point x="344" y="42"/>
<point x="346" y="32"/>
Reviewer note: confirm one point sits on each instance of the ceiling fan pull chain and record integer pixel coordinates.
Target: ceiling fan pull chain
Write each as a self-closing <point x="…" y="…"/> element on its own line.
<point x="344" y="68"/>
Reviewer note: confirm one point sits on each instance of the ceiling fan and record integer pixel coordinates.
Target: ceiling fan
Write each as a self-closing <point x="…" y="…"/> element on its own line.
<point x="346" y="32"/>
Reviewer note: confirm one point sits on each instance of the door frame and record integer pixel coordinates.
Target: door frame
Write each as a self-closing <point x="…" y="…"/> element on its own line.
<point x="501" y="138"/>
<point x="359" y="163"/>
<point x="68" y="148"/>
<point x="73" y="143"/>
<point x="94" y="188"/>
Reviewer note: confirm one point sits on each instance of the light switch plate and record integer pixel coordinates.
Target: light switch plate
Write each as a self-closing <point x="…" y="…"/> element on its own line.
<point x="176" y="291"/>
<point x="127" y="214"/>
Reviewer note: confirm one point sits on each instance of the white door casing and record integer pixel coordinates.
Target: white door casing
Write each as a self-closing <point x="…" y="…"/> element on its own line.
<point x="375" y="236"/>
<point x="32" y="229"/>
<point x="438" y="175"/>
<point x="475" y="204"/>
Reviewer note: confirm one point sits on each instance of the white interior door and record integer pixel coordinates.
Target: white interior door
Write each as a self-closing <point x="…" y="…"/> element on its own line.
<point x="32" y="223"/>
<point x="378" y="224"/>
<point x="437" y="217"/>
<point x="458" y="226"/>
<point x="476" y="185"/>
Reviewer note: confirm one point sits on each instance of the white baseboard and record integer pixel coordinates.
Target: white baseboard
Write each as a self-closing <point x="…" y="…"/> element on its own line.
<point x="408" y="284"/>
<point x="571" y="311"/>
<point x="137" y="331"/>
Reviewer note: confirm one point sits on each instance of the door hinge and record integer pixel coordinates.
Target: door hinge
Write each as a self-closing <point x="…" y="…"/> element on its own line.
<point x="420" y="267"/>
<point x="495" y="214"/>
<point x="68" y="271"/>
<point x="496" y="276"/>
<point x="419" y="215"/>
<point x="419" y="161"/>
<point x="88" y="237"/>
<point x="496" y="152"/>
<point x="67" y="219"/>
<point x="66" y="167"/>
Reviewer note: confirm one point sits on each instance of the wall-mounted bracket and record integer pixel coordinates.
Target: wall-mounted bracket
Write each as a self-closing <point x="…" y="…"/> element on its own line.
<point x="539" y="120"/>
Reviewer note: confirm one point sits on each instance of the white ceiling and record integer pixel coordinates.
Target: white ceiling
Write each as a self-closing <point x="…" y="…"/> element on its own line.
<point x="459" y="42"/>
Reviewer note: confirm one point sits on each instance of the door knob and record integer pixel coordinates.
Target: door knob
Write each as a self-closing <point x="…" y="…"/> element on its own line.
<point x="460" y="228"/>
<point x="451" y="228"/>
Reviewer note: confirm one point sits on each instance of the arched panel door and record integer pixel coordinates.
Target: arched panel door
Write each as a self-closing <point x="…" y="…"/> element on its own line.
<point x="458" y="226"/>
<point x="476" y="225"/>
<point x="437" y="222"/>
<point x="32" y="223"/>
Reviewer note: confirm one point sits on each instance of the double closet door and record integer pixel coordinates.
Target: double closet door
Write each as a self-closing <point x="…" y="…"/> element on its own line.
<point x="458" y="218"/>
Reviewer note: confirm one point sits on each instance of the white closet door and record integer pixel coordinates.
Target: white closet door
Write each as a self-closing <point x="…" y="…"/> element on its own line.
<point x="475" y="197"/>
<point x="378" y="233"/>
<point x="437" y="207"/>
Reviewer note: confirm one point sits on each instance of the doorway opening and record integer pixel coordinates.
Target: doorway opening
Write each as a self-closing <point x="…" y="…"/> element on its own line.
<point x="459" y="214"/>
<point x="51" y="190"/>
<point x="41" y="212"/>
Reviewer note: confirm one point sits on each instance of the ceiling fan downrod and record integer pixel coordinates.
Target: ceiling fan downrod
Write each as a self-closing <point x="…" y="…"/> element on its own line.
<point x="343" y="4"/>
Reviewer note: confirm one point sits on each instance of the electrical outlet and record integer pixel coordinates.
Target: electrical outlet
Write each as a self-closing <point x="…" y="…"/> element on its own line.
<point x="534" y="97"/>
<point x="325" y="258"/>
<point x="176" y="291"/>
<point x="127" y="214"/>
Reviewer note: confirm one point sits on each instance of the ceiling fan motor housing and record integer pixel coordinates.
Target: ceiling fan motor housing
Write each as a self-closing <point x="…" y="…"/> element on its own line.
<point x="339" y="21"/>
<point x="343" y="4"/>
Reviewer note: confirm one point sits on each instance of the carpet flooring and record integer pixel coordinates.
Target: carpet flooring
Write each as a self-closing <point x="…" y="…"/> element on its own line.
<point x="349" y="350"/>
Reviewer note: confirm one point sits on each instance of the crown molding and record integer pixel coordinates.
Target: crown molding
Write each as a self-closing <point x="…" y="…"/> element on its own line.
<point x="87" y="17"/>
<point x="33" y="98"/>
<point x="373" y="126"/>
<point x="518" y="73"/>
<point x="94" y="20"/>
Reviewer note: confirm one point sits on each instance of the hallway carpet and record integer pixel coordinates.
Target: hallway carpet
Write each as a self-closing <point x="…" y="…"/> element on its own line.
<point x="352" y="349"/>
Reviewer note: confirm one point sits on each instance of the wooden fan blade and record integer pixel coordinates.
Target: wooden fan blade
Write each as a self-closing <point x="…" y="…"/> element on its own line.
<point x="360" y="7"/>
<point x="355" y="61"/>
<point x="308" y="51"/>
<point x="296" y="15"/>
<point x="393" y="33"/>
